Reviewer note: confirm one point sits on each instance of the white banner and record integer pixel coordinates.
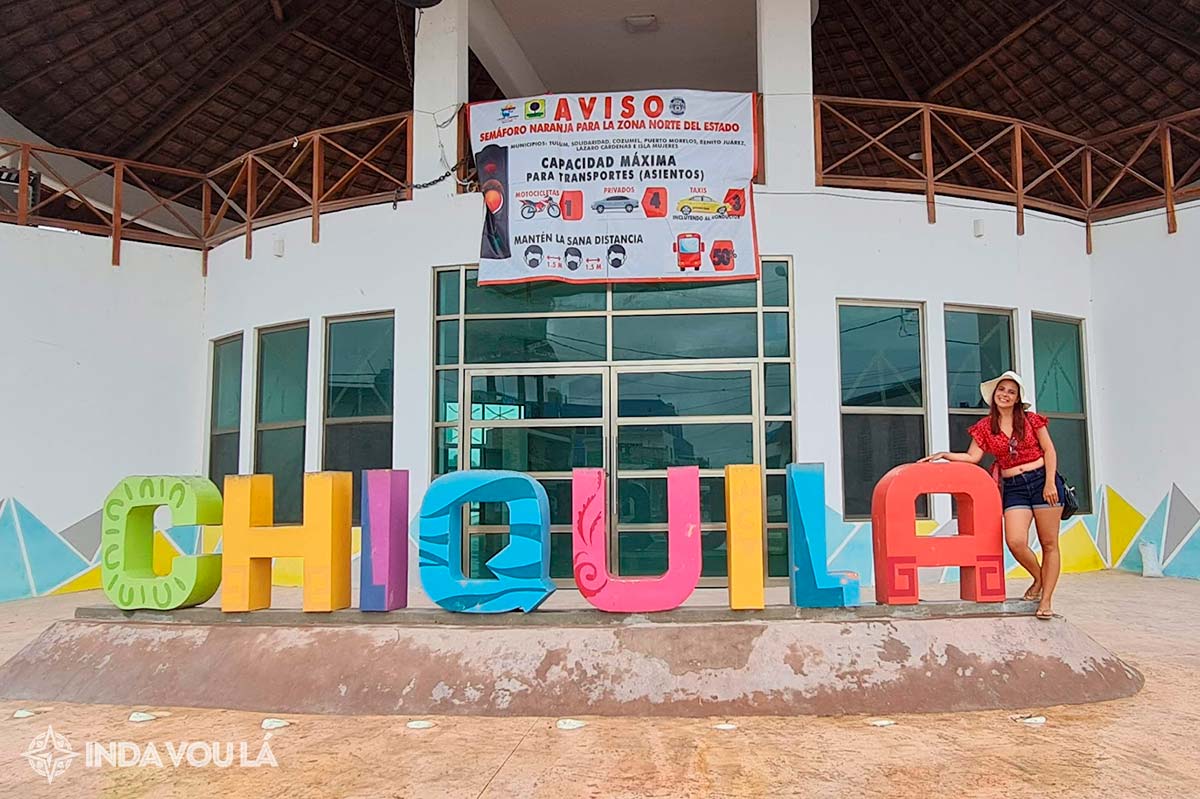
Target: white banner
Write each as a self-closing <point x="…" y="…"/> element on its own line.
<point x="632" y="186"/>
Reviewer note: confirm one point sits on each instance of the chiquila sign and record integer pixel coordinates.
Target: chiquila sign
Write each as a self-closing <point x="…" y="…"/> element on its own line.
<point x="522" y="568"/>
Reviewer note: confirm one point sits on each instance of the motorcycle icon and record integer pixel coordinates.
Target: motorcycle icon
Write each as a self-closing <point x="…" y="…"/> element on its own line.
<point x="531" y="208"/>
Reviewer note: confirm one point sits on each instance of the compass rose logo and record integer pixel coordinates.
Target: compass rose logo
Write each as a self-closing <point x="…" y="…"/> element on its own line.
<point x="49" y="754"/>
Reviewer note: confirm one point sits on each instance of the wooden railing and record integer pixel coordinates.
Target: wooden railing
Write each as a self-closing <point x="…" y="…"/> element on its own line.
<point x="331" y="169"/>
<point x="867" y="144"/>
<point x="934" y="149"/>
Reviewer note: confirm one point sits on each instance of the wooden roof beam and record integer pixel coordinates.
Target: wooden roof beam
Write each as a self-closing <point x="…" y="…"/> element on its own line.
<point x="350" y="59"/>
<point x="277" y="10"/>
<point x="897" y="73"/>
<point x="204" y="92"/>
<point x="1009" y="38"/>
<point x="1178" y="38"/>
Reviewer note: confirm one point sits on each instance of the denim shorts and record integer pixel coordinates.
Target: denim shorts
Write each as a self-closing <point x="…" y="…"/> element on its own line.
<point x="1025" y="490"/>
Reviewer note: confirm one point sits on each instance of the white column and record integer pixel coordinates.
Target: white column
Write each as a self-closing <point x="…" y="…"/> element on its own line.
<point x="440" y="88"/>
<point x="314" y="404"/>
<point x="249" y="401"/>
<point x="786" y="82"/>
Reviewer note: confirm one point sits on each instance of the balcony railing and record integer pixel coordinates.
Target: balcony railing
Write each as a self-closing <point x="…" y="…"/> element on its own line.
<point x="332" y="169"/>
<point x="932" y="149"/>
<point x="865" y="144"/>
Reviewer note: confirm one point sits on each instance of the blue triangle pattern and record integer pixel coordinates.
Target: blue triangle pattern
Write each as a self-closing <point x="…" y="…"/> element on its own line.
<point x="836" y="531"/>
<point x="185" y="537"/>
<point x="1152" y="532"/>
<point x="856" y="556"/>
<point x="14" y="583"/>
<point x="52" y="561"/>
<point x="1186" y="562"/>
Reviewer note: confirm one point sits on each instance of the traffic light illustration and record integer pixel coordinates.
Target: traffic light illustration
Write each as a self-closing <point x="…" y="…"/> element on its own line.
<point x="492" y="163"/>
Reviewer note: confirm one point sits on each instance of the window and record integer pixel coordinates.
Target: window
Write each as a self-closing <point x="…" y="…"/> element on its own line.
<point x="882" y="397"/>
<point x="979" y="347"/>
<point x="279" y="424"/>
<point x="359" y="358"/>
<point x="632" y="378"/>
<point x="1061" y="397"/>
<point x="225" y="421"/>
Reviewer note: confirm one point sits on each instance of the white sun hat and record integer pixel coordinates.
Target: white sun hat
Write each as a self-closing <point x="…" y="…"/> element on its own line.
<point x="988" y="387"/>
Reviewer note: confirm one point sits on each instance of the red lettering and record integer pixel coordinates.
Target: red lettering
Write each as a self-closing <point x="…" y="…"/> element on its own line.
<point x="627" y="107"/>
<point x="653" y="106"/>
<point x="587" y="105"/>
<point x="608" y="107"/>
<point x="563" y="111"/>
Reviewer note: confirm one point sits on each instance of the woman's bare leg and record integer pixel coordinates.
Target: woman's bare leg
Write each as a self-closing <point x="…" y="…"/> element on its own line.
<point x="1016" y="535"/>
<point x="1049" y="521"/>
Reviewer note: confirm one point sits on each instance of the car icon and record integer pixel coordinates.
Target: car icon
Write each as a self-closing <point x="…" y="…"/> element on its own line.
<point x="701" y="204"/>
<point x="615" y="202"/>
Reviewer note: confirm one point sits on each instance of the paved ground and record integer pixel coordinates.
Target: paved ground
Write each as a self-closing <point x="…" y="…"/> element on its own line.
<point x="1146" y="746"/>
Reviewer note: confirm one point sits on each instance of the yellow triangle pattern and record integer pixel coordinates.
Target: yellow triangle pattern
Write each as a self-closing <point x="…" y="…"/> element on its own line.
<point x="164" y="552"/>
<point x="88" y="581"/>
<point x="355" y="541"/>
<point x="210" y="537"/>
<point x="1079" y="553"/>
<point x="927" y="527"/>
<point x="1124" y="521"/>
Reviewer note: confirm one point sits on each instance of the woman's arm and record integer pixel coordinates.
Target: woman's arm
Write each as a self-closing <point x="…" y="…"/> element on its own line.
<point x="1050" y="492"/>
<point x="972" y="455"/>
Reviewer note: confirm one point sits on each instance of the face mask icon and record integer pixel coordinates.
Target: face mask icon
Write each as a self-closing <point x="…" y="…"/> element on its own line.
<point x="533" y="256"/>
<point x="573" y="258"/>
<point x="616" y="256"/>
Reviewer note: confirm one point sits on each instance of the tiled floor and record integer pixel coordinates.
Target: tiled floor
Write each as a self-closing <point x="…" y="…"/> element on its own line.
<point x="1146" y="746"/>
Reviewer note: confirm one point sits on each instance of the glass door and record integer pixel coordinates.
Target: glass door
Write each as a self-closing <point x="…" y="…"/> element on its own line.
<point x="545" y="422"/>
<point x="665" y="416"/>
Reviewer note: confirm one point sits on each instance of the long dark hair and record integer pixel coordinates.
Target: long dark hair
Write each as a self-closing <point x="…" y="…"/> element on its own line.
<point x="1018" y="418"/>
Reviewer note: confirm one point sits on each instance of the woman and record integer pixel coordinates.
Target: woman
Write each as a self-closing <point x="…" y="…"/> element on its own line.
<point x="1021" y="444"/>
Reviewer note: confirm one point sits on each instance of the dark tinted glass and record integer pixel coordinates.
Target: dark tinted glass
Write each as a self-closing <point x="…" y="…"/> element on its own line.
<point x="281" y="453"/>
<point x="445" y="450"/>
<point x="355" y="448"/>
<point x="447" y="395"/>
<point x="645" y="554"/>
<point x="871" y="446"/>
<point x="558" y="493"/>
<point x="447" y="291"/>
<point x="1058" y="366"/>
<point x="447" y="343"/>
<point x="978" y="348"/>
<point x="283" y="375"/>
<point x="222" y="458"/>
<point x="880" y="356"/>
<point x="776" y="342"/>
<point x="544" y="297"/>
<point x="651" y="394"/>
<point x="360" y="368"/>
<point x="709" y="446"/>
<point x="670" y="296"/>
<point x="1070" y="442"/>
<point x="646" y="338"/>
<point x="561" y="339"/>
<point x="777" y="510"/>
<point x="227" y="385"/>
<point x="643" y="500"/>
<point x="537" y="449"/>
<point x="777" y="553"/>
<point x="779" y="444"/>
<point x="775" y="284"/>
<point x="778" y="392"/>
<point x="537" y="397"/>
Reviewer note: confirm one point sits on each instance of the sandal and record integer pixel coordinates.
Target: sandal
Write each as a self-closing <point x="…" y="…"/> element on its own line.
<point x="1032" y="596"/>
<point x="1044" y="615"/>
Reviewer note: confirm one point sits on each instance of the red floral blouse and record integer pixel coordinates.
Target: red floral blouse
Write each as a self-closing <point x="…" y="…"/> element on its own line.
<point x="1008" y="453"/>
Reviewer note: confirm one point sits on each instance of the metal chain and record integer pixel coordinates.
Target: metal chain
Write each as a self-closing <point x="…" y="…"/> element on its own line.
<point x="408" y="62"/>
<point x="427" y="184"/>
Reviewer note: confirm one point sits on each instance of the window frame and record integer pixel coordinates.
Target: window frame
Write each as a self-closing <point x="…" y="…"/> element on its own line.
<point x="259" y="426"/>
<point x="1013" y="348"/>
<point x="213" y="430"/>
<point x="921" y="308"/>
<point x="609" y="312"/>
<point x="1086" y="503"/>
<point x="328" y="421"/>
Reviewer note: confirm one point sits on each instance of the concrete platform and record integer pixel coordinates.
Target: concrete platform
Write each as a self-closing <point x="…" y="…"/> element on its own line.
<point x="933" y="657"/>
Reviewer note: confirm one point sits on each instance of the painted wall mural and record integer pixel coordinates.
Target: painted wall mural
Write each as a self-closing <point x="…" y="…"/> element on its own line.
<point x="38" y="561"/>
